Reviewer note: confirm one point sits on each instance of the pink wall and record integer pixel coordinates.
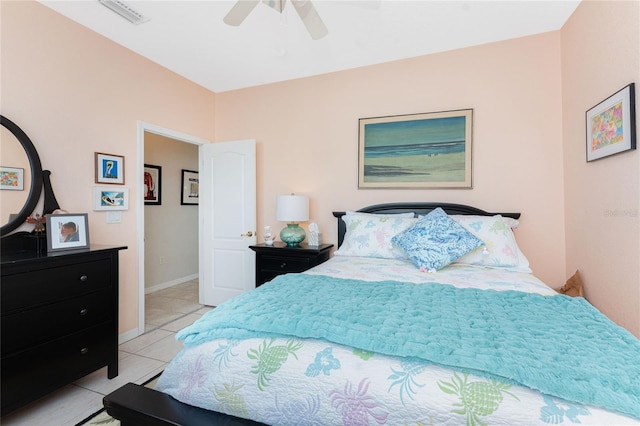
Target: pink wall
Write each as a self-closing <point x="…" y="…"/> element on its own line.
<point x="602" y="198"/>
<point x="307" y="134"/>
<point x="76" y="93"/>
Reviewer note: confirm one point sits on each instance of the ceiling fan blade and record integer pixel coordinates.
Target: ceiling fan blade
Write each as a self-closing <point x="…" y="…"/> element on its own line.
<point x="310" y="18"/>
<point x="239" y="12"/>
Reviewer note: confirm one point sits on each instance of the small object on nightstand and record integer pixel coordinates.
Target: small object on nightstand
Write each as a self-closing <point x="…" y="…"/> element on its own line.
<point x="268" y="237"/>
<point x="315" y="237"/>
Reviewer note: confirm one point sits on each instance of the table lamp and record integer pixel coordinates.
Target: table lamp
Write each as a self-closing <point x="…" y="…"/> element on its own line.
<point x="292" y="209"/>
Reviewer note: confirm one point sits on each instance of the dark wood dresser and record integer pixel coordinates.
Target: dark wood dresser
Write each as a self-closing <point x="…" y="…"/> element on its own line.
<point x="59" y="320"/>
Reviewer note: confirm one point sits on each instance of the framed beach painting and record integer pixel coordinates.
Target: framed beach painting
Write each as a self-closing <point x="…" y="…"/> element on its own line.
<point x="427" y="150"/>
<point x="611" y="125"/>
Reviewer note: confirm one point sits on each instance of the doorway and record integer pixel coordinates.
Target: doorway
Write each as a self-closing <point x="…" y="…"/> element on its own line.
<point x="168" y="229"/>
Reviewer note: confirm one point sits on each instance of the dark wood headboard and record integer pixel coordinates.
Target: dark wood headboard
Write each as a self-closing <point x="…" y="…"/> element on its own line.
<point x="418" y="209"/>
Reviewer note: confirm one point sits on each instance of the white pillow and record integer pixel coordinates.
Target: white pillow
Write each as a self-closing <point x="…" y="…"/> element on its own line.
<point x="369" y="235"/>
<point x="500" y="249"/>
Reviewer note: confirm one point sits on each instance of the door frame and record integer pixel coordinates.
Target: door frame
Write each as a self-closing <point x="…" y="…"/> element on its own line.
<point x="162" y="131"/>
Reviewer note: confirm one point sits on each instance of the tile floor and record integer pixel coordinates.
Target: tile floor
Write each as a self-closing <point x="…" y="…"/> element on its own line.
<point x="166" y="312"/>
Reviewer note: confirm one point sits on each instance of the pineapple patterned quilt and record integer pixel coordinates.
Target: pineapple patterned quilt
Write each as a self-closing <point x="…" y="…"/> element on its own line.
<point x="312" y="349"/>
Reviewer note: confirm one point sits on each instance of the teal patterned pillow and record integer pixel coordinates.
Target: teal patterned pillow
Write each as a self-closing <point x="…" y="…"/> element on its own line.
<point x="435" y="241"/>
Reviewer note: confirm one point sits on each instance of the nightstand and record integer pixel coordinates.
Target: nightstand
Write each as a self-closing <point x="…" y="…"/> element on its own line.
<point x="279" y="259"/>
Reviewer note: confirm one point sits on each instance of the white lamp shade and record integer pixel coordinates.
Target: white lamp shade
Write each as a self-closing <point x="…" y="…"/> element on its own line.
<point x="292" y="208"/>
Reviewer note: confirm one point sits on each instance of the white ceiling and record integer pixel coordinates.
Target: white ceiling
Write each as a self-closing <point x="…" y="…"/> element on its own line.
<point x="189" y="37"/>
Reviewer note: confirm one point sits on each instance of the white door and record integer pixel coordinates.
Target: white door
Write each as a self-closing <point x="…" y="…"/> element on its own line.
<point x="227" y="214"/>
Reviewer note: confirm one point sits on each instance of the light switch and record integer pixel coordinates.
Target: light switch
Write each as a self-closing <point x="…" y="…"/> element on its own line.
<point x="114" y="217"/>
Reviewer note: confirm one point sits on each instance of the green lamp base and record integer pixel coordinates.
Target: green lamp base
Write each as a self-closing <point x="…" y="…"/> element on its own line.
<point x="292" y="235"/>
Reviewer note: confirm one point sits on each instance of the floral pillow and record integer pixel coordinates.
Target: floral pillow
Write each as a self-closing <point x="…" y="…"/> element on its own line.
<point x="435" y="241"/>
<point x="369" y="235"/>
<point x="500" y="247"/>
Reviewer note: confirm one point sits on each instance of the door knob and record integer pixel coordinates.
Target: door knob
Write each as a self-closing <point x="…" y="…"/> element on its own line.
<point x="248" y="234"/>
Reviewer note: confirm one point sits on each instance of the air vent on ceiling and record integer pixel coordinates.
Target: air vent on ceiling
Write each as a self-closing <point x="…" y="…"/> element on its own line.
<point x="124" y="10"/>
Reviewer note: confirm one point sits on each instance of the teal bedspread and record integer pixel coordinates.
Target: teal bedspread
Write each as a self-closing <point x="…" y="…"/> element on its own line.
<point x="558" y="345"/>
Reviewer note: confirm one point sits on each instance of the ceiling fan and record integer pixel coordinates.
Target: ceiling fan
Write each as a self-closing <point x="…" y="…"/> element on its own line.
<point x="305" y="9"/>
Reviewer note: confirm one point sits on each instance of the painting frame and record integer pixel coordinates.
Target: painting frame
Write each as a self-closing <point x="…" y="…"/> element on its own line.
<point x="430" y="150"/>
<point x="152" y="185"/>
<point x="59" y="239"/>
<point x="109" y="168"/>
<point x="611" y="125"/>
<point x="11" y="178"/>
<point x="189" y="188"/>
<point x="110" y="198"/>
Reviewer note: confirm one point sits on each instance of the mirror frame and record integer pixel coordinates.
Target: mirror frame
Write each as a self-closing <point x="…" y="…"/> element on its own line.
<point x="36" y="176"/>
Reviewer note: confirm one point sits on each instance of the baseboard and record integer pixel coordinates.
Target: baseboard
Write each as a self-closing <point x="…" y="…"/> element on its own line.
<point x="168" y="284"/>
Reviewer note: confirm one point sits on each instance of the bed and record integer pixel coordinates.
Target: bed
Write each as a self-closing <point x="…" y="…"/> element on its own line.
<point x="398" y="329"/>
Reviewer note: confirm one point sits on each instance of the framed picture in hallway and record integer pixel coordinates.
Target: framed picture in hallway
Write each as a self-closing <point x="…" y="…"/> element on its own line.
<point x="189" y="191"/>
<point x="611" y="125"/>
<point x="427" y="150"/>
<point x="152" y="185"/>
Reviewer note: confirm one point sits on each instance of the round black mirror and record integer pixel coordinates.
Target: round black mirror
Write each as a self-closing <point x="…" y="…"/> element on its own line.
<point x="16" y="207"/>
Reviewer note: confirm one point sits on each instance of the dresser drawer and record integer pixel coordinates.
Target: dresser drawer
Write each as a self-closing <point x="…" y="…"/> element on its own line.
<point x="33" y="373"/>
<point x="27" y="289"/>
<point x="281" y="264"/>
<point x="49" y="322"/>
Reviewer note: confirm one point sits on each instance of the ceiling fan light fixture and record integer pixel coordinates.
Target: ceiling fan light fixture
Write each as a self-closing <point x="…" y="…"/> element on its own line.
<point x="124" y="10"/>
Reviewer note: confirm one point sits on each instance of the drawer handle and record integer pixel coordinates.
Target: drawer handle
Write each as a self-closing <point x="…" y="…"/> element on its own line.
<point x="84" y="351"/>
<point x="283" y="265"/>
<point x="84" y="278"/>
<point x="84" y="312"/>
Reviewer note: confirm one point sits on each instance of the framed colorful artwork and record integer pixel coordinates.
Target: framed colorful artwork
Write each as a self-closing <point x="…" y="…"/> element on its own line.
<point x="67" y="232"/>
<point x="611" y="125"/>
<point x="110" y="198"/>
<point x="109" y="168"/>
<point x="12" y="178"/>
<point x="428" y="150"/>
<point x="152" y="185"/>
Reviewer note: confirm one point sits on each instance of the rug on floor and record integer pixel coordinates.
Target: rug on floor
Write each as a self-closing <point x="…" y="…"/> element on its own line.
<point x="101" y="417"/>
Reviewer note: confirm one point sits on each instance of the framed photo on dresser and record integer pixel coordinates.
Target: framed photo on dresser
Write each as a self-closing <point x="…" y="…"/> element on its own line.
<point x="67" y="232"/>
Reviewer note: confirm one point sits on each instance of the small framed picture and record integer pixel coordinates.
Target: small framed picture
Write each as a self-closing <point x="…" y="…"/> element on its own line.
<point x="110" y="198"/>
<point x="611" y="125"/>
<point x="190" y="190"/>
<point x="12" y="178"/>
<point x="67" y="232"/>
<point x="152" y="185"/>
<point x="109" y="168"/>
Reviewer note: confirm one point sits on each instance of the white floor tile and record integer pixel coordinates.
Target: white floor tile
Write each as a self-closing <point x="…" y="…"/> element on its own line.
<point x="139" y="343"/>
<point x="181" y="323"/>
<point x="131" y="369"/>
<point x="64" y="407"/>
